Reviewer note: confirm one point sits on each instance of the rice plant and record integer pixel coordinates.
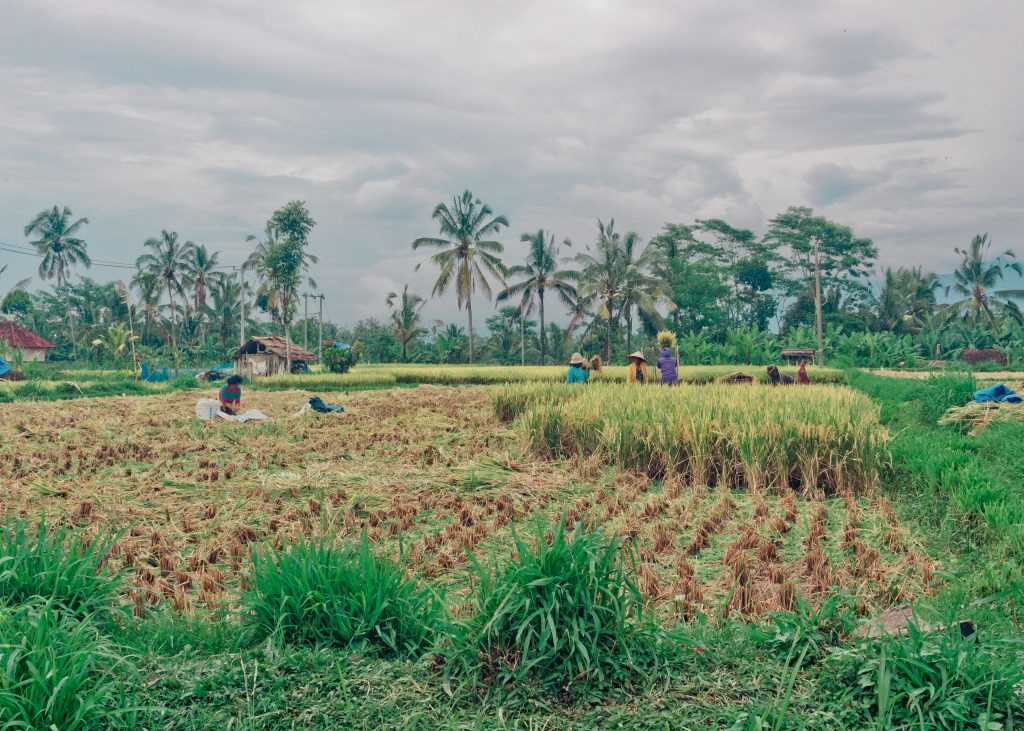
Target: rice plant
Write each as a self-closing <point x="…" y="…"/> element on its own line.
<point x="56" y="564"/>
<point x="59" y="672"/>
<point x="742" y="436"/>
<point x="317" y="593"/>
<point x="563" y="611"/>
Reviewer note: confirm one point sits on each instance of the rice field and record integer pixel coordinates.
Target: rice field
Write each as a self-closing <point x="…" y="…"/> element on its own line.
<point x="442" y="472"/>
<point x="746" y="436"/>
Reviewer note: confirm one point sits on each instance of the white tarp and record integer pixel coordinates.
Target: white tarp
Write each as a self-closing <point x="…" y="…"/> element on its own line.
<point x="208" y="408"/>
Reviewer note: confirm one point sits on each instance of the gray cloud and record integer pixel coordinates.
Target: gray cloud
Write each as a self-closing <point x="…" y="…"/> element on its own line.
<point x="205" y="116"/>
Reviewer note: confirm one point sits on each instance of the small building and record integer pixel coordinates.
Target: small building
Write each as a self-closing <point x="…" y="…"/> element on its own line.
<point x="15" y="337"/>
<point x="795" y="355"/>
<point x="267" y="357"/>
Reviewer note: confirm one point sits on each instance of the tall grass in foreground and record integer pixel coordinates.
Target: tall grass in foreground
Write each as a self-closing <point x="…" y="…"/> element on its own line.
<point x="57" y="671"/>
<point x="562" y="611"/>
<point x="56" y="564"/>
<point x="318" y="593"/>
<point x="738" y="435"/>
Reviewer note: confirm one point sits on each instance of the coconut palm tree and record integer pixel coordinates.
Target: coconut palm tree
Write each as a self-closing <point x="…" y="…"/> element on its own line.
<point x="603" y="274"/>
<point x="57" y="243"/>
<point x="406" y="318"/>
<point x="466" y="255"/>
<point x="199" y="272"/>
<point x="168" y="261"/>
<point x="148" y="287"/>
<point x="541" y="273"/>
<point x="640" y="287"/>
<point x="226" y="302"/>
<point x="906" y="300"/>
<point x="975" y="281"/>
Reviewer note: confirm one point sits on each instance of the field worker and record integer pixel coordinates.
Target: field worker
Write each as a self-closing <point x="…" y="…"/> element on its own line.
<point x="778" y="379"/>
<point x="637" y="372"/>
<point x="801" y="375"/>
<point x="667" y="366"/>
<point x="577" y="372"/>
<point x="231" y="395"/>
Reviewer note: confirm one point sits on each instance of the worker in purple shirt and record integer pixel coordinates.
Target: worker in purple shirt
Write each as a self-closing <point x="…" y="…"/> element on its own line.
<point x="667" y="366"/>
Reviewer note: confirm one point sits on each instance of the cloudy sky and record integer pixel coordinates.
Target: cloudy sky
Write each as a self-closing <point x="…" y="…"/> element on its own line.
<point x="901" y="118"/>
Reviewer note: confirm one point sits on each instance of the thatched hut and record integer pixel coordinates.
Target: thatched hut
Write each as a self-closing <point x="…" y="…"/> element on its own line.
<point x="268" y="357"/>
<point x="793" y="356"/>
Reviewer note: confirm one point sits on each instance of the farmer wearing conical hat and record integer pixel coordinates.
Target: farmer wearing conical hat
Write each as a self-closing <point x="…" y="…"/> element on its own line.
<point x="577" y="370"/>
<point x="637" y="372"/>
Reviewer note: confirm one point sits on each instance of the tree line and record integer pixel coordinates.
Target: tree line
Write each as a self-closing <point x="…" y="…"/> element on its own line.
<point x="728" y="294"/>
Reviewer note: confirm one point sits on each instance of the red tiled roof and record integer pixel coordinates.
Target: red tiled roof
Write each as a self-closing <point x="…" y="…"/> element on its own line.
<point x="18" y="337"/>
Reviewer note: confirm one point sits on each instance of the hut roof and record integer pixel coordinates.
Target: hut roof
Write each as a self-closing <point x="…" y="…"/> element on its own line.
<point x="275" y="345"/>
<point x="18" y="337"/>
<point x="786" y="352"/>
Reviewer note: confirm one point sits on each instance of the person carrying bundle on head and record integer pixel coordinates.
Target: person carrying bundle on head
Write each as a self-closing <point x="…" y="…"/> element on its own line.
<point x="802" y="378"/>
<point x="777" y="378"/>
<point x="667" y="365"/>
<point x="578" y="372"/>
<point x="637" y="371"/>
<point x="231" y="395"/>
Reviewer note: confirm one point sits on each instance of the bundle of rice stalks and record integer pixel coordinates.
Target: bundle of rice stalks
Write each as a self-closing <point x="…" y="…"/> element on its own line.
<point x="974" y="418"/>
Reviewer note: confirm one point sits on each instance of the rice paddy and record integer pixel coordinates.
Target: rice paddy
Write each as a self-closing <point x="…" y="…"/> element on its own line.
<point x="441" y="473"/>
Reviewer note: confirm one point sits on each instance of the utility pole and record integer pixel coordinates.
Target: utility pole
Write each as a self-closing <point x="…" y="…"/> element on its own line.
<point x="817" y="302"/>
<point x="320" y="337"/>
<point x="305" y="321"/>
<point x="241" y="305"/>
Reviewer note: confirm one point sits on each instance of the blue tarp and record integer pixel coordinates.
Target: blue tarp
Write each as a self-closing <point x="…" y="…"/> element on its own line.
<point x="3" y="366"/>
<point x="997" y="394"/>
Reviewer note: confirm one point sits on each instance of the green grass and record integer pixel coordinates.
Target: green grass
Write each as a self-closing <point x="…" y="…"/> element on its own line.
<point x="317" y="593"/>
<point x="562" y="611"/>
<point x="56" y="565"/>
<point x="59" y="671"/>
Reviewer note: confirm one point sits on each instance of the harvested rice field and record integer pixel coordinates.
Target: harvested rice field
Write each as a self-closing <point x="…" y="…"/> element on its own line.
<point x="438" y="472"/>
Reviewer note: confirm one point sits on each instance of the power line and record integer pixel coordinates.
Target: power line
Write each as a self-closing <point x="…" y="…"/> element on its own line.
<point x="26" y="251"/>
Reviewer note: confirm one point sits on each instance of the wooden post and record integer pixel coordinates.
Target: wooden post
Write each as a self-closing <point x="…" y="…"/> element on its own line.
<point x="817" y="302"/>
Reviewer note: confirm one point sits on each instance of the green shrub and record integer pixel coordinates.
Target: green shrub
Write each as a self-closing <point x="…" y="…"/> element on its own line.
<point x="319" y="593"/>
<point x="939" y="392"/>
<point x="57" y="564"/>
<point x="933" y="680"/>
<point x="59" y="672"/>
<point x="562" y="611"/>
<point x="341" y="359"/>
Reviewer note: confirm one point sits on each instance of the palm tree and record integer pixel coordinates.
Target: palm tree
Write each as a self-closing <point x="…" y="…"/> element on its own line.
<point x="639" y="288"/>
<point x="148" y="286"/>
<point x="602" y="277"/>
<point x="200" y="271"/>
<point x="225" y="294"/>
<point x="541" y="273"/>
<point x="906" y="299"/>
<point x="464" y="248"/>
<point x="57" y="243"/>
<point x="169" y="263"/>
<point x="405" y="319"/>
<point x="976" y="278"/>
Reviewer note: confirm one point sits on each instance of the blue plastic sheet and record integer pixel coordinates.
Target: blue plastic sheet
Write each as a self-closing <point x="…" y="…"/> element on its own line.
<point x="998" y="393"/>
